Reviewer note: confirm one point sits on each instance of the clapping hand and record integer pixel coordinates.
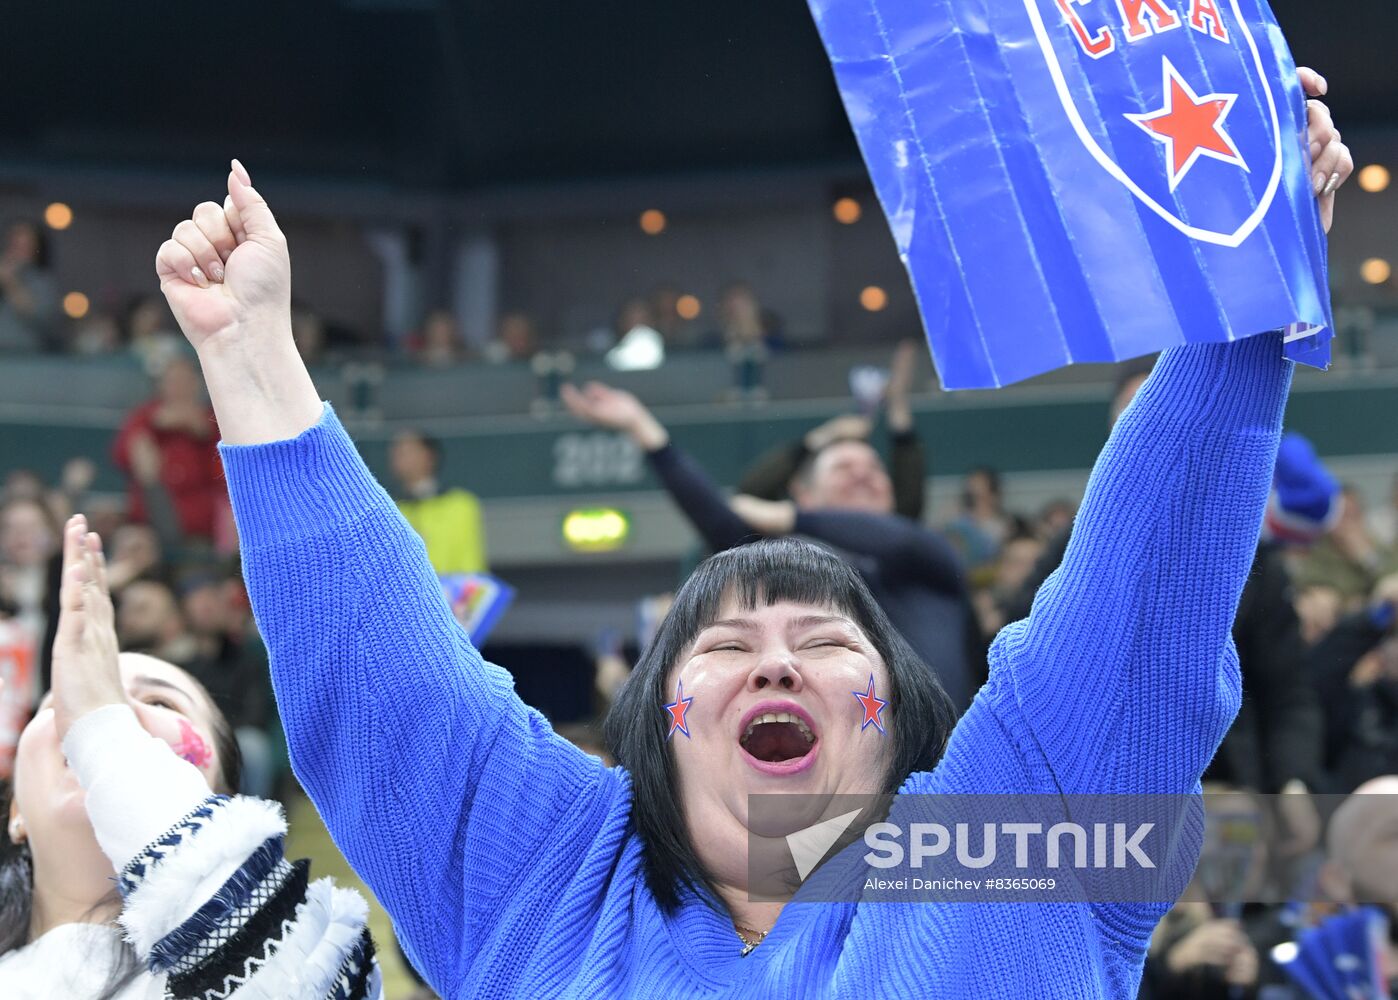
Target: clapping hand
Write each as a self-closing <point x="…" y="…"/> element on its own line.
<point x="85" y="672"/>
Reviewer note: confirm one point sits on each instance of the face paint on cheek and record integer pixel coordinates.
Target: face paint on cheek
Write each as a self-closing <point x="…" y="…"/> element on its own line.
<point x="873" y="707"/>
<point x="676" y="711"/>
<point x="192" y="746"/>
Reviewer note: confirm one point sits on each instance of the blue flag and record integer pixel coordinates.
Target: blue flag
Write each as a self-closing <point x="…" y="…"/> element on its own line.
<point x="1086" y="180"/>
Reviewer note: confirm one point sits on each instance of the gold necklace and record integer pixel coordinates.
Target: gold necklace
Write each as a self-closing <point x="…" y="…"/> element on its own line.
<point x="749" y="944"/>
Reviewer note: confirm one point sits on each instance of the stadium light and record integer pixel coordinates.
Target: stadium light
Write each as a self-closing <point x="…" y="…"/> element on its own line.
<point x="76" y="305"/>
<point x="596" y="529"/>
<point x="1376" y="271"/>
<point x="873" y="298"/>
<point x="653" y="222"/>
<point x="58" y="216"/>
<point x="1375" y="178"/>
<point x="847" y="211"/>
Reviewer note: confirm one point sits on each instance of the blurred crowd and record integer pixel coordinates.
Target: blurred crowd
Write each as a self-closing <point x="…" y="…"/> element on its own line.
<point x="33" y="319"/>
<point x="1317" y="631"/>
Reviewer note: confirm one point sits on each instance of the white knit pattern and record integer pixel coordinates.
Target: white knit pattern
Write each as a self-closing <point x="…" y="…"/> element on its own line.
<point x="191" y="873"/>
<point x="229" y="927"/>
<point x="327" y="928"/>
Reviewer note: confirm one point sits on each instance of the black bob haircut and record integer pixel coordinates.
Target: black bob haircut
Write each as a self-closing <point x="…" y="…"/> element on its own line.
<point x="760" y="574"/>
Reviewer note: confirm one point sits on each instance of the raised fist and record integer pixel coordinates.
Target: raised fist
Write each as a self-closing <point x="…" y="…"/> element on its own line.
<point x="225" y="270"/>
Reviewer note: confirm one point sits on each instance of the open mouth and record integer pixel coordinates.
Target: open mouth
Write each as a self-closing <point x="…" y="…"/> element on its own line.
<point x="783" y="741"/>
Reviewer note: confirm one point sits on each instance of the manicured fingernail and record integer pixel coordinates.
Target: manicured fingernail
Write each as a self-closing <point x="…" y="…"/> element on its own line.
<point x="242" y="173"/>
<point x="1324" y="86"/>
<point x="1319" y="183"/>
<point x="199" y="278"/>
<point x="1333" y="184"/>
<point x="216" y="272"/>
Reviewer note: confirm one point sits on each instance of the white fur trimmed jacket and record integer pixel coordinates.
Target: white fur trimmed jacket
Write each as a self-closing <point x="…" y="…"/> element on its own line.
<point x="211" y="906"/>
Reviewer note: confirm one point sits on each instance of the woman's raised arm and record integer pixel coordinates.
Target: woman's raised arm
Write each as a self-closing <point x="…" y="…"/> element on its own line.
<point x="1125" y="670"/>
<point x="392" y="718"/>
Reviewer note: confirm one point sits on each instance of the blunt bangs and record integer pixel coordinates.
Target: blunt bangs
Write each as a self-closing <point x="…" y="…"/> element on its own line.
<point x="760" y="574"/>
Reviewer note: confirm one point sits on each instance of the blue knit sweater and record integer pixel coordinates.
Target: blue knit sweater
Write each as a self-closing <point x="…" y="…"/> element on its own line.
<point x="505" y="855"/>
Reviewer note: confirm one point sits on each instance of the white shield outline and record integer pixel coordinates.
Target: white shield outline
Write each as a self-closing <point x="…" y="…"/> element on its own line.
<point x="1060" y="83"/>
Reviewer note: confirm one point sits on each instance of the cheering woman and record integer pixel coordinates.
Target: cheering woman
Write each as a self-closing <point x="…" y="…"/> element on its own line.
<point x="513" y="864"/>
<point x="130" y="873"/>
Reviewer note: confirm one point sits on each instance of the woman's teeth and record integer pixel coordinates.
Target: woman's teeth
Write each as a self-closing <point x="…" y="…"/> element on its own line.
<point x="767" y="717"/>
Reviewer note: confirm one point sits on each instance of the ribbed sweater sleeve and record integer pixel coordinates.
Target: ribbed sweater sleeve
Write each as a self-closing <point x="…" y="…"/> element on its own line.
<point x="392" y="719"/>
<point x="1125" y="674"/>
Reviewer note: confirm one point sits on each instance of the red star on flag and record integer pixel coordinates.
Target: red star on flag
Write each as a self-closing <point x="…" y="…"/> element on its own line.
<point x="873" y="706"/>
<point x="1190" y="126"/>
<point x="677" y="710"/>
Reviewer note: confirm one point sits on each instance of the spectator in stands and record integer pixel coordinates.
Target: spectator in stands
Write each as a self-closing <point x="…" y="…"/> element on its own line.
<point x="308" y="330"/>
<point x="439" y="344"/>
<point x="171" y="442"/>
<point x="982" y="524"/>
<point x="28" y="291"/>
<point x="635" y="313"/>
<point x="776" y="475"/>
<point x="29" y="538"/>
<point x="151" y="333"/>
<point x="148" y="620"/>
<point x="847" y="502"/>
<point x="1210" y="945"/>
<point x="22" y="484"/>
<point x="231" y="662"/>
<point x="515" y="339"/>
<point x="71" y="494"/>
<point x="96" y="334"/>
<point x="1349" y="558"/>
<point x="1013" y="566"/>
<point x="1383" y="520"/>
<point x="1355" y="670"/>
<point x="136" y="554"/>
<point x="449" y="520"/>
<point x="638" y="345"/>
<point x="101" y="801"/>
<point x="1362" y="858"/>
<point x="1055" y="519"/>
<point x="674" y="329"/>
<point x="1198" y="956"/>
<point x="743" y="322"/>
<point x="1319" y="608"/>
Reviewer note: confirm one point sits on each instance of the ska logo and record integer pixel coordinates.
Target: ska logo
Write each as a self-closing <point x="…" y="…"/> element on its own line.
<point x="1171" y="97"/>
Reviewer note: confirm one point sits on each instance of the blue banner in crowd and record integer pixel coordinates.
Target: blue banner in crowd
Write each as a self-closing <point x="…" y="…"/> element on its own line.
<point x="478" y="600"/>
<point x="1086" y="180"/>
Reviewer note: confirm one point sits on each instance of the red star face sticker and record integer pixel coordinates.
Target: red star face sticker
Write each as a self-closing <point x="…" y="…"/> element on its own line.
<point x="873" y="707"/>
<point x="677" y="710"/>
<point x="1190" y="126"/>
